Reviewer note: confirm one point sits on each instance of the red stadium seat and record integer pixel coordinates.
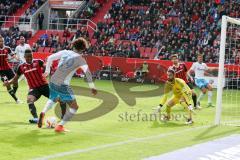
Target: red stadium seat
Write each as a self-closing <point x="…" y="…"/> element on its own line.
<point x="147" y="51"/>
<point x="117" y="36"/>
<point x="153" y="53"/>
<point x="93" y="41"/>
<point x="41" y="49"/>
<point x="154" y="50"/>
<point x="141" y="50"/>
<point x="138" y="43"/>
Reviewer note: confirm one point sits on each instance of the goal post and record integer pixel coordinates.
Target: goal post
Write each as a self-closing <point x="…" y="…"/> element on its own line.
<point x="230" y="28"/>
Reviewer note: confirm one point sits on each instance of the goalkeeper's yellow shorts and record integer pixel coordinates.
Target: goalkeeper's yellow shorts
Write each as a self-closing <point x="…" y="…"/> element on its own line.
<point x="184" y="97"/>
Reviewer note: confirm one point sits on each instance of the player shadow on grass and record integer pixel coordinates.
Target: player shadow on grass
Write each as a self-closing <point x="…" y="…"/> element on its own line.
<point x="211" y="132"/>
<point x="12" y="125"/>
<point x="157" y="124"/>
<point x="33" y="138"/>
<point x="108" y="103"/>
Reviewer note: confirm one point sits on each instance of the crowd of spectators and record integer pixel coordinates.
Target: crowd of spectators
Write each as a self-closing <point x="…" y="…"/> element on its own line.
<point x="31" y="10"/>
<point x="8" y="7"/>
<point x="173" y="26"/>
<point x="12" y="36"/>
<point x="91" y="9"/>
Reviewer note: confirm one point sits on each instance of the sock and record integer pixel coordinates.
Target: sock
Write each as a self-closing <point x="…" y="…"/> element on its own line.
<point x="15" y="89"/>
<point x="33" y="110"/>
<point x="48" y="106"/>
<point x="200" y="97"/>
<point x="63" y="108"/>
<point x="194" y="98"/>
<point x="210" y="97"/>
<point x="11" y="92"/>
<point x="69" y="114"/>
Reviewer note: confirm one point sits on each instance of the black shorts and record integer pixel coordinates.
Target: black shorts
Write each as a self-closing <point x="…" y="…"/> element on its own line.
<point x="7" y="74"/>
<point x="190" y="85"/>
<point x="40" y="91"/>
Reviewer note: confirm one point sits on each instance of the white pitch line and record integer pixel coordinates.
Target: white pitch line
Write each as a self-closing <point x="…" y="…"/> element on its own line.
<point x="58" y="155"/>
<point x="105" y="134"/>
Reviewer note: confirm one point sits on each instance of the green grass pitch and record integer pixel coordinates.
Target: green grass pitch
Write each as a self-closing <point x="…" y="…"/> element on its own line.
<point x="107" y="137"/>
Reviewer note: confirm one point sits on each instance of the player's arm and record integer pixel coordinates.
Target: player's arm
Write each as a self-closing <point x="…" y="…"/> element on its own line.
<point x="50" y="60"/>
<point x="163" y="100"/>
<point x="167" y="90"/>
<point x="192" y="69"/>
<point x="11" y="54"/>
<point x="209" y="70"/>
<point x="17" y="54"/>
<point x="87" y="72"/>
<point x="15" y="78"/>
<point x="41" y="64"/>
<point x="187" y="72"/>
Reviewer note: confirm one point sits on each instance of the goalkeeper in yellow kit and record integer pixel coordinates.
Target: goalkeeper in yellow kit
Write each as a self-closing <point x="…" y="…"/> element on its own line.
<point x="181" y="94"/>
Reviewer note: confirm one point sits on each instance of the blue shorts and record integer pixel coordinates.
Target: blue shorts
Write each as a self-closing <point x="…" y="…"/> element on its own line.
<point x="63" y="93"/>
<point x="201" y="83"/>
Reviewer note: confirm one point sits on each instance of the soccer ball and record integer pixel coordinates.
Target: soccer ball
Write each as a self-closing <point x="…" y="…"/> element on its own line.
<point x="51" y="122"/>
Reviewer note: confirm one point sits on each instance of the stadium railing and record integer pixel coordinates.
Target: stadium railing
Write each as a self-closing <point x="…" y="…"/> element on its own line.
<point x="73" y="23"/>
<point x="56" y="24"/>
<point x="20" y="21"/>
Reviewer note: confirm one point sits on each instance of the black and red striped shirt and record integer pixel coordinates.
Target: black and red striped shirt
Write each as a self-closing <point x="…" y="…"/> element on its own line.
<point x="181" y="71"/>
<point x="33" y="73"/>
<point x="4" y="54"/>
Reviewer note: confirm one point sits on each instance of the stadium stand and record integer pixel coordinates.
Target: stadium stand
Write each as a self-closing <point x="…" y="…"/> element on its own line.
<point x="139" y="29"/>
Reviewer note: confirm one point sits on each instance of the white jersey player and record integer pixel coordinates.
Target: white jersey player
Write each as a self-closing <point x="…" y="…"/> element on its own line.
<point x="20" y="49"/>
<point x="199" y="68"/>
<point x="70" y="61"/>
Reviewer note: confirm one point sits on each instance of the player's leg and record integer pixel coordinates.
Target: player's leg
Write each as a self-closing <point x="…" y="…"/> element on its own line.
<point x="194" y="95"/>
<point x="187" y="103"/>
<point x="194" y="98"/>
<point x="50" y="92"/>
<point x="202" y="94"/>
<point x="172" y="102"/>
<point x="210" y="94"/>
<point x="45" y="90"/>
<point x="15" y="87"/>
<point x="201" y="84"/>
<point x="63" y="106"/>
<point x="50" y="103"/>
<point x="73" y="107"/>
<point x="10" y="74"/>
<point x="33" y="96"/>
<point x="68" y="97"/>
<point x="5" y="76"/>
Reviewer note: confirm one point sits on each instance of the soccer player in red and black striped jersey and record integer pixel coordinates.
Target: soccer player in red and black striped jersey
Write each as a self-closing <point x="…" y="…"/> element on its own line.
<point x="6" y="72"/>
<point x="182" y="72"/>
<point x="38" y="85"/>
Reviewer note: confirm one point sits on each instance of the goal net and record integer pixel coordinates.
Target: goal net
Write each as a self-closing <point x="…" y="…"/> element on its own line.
<point x="228" y="89"/>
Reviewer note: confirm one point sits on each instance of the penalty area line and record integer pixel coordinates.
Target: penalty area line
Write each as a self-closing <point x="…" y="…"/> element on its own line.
<point x="115" y="144"/>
